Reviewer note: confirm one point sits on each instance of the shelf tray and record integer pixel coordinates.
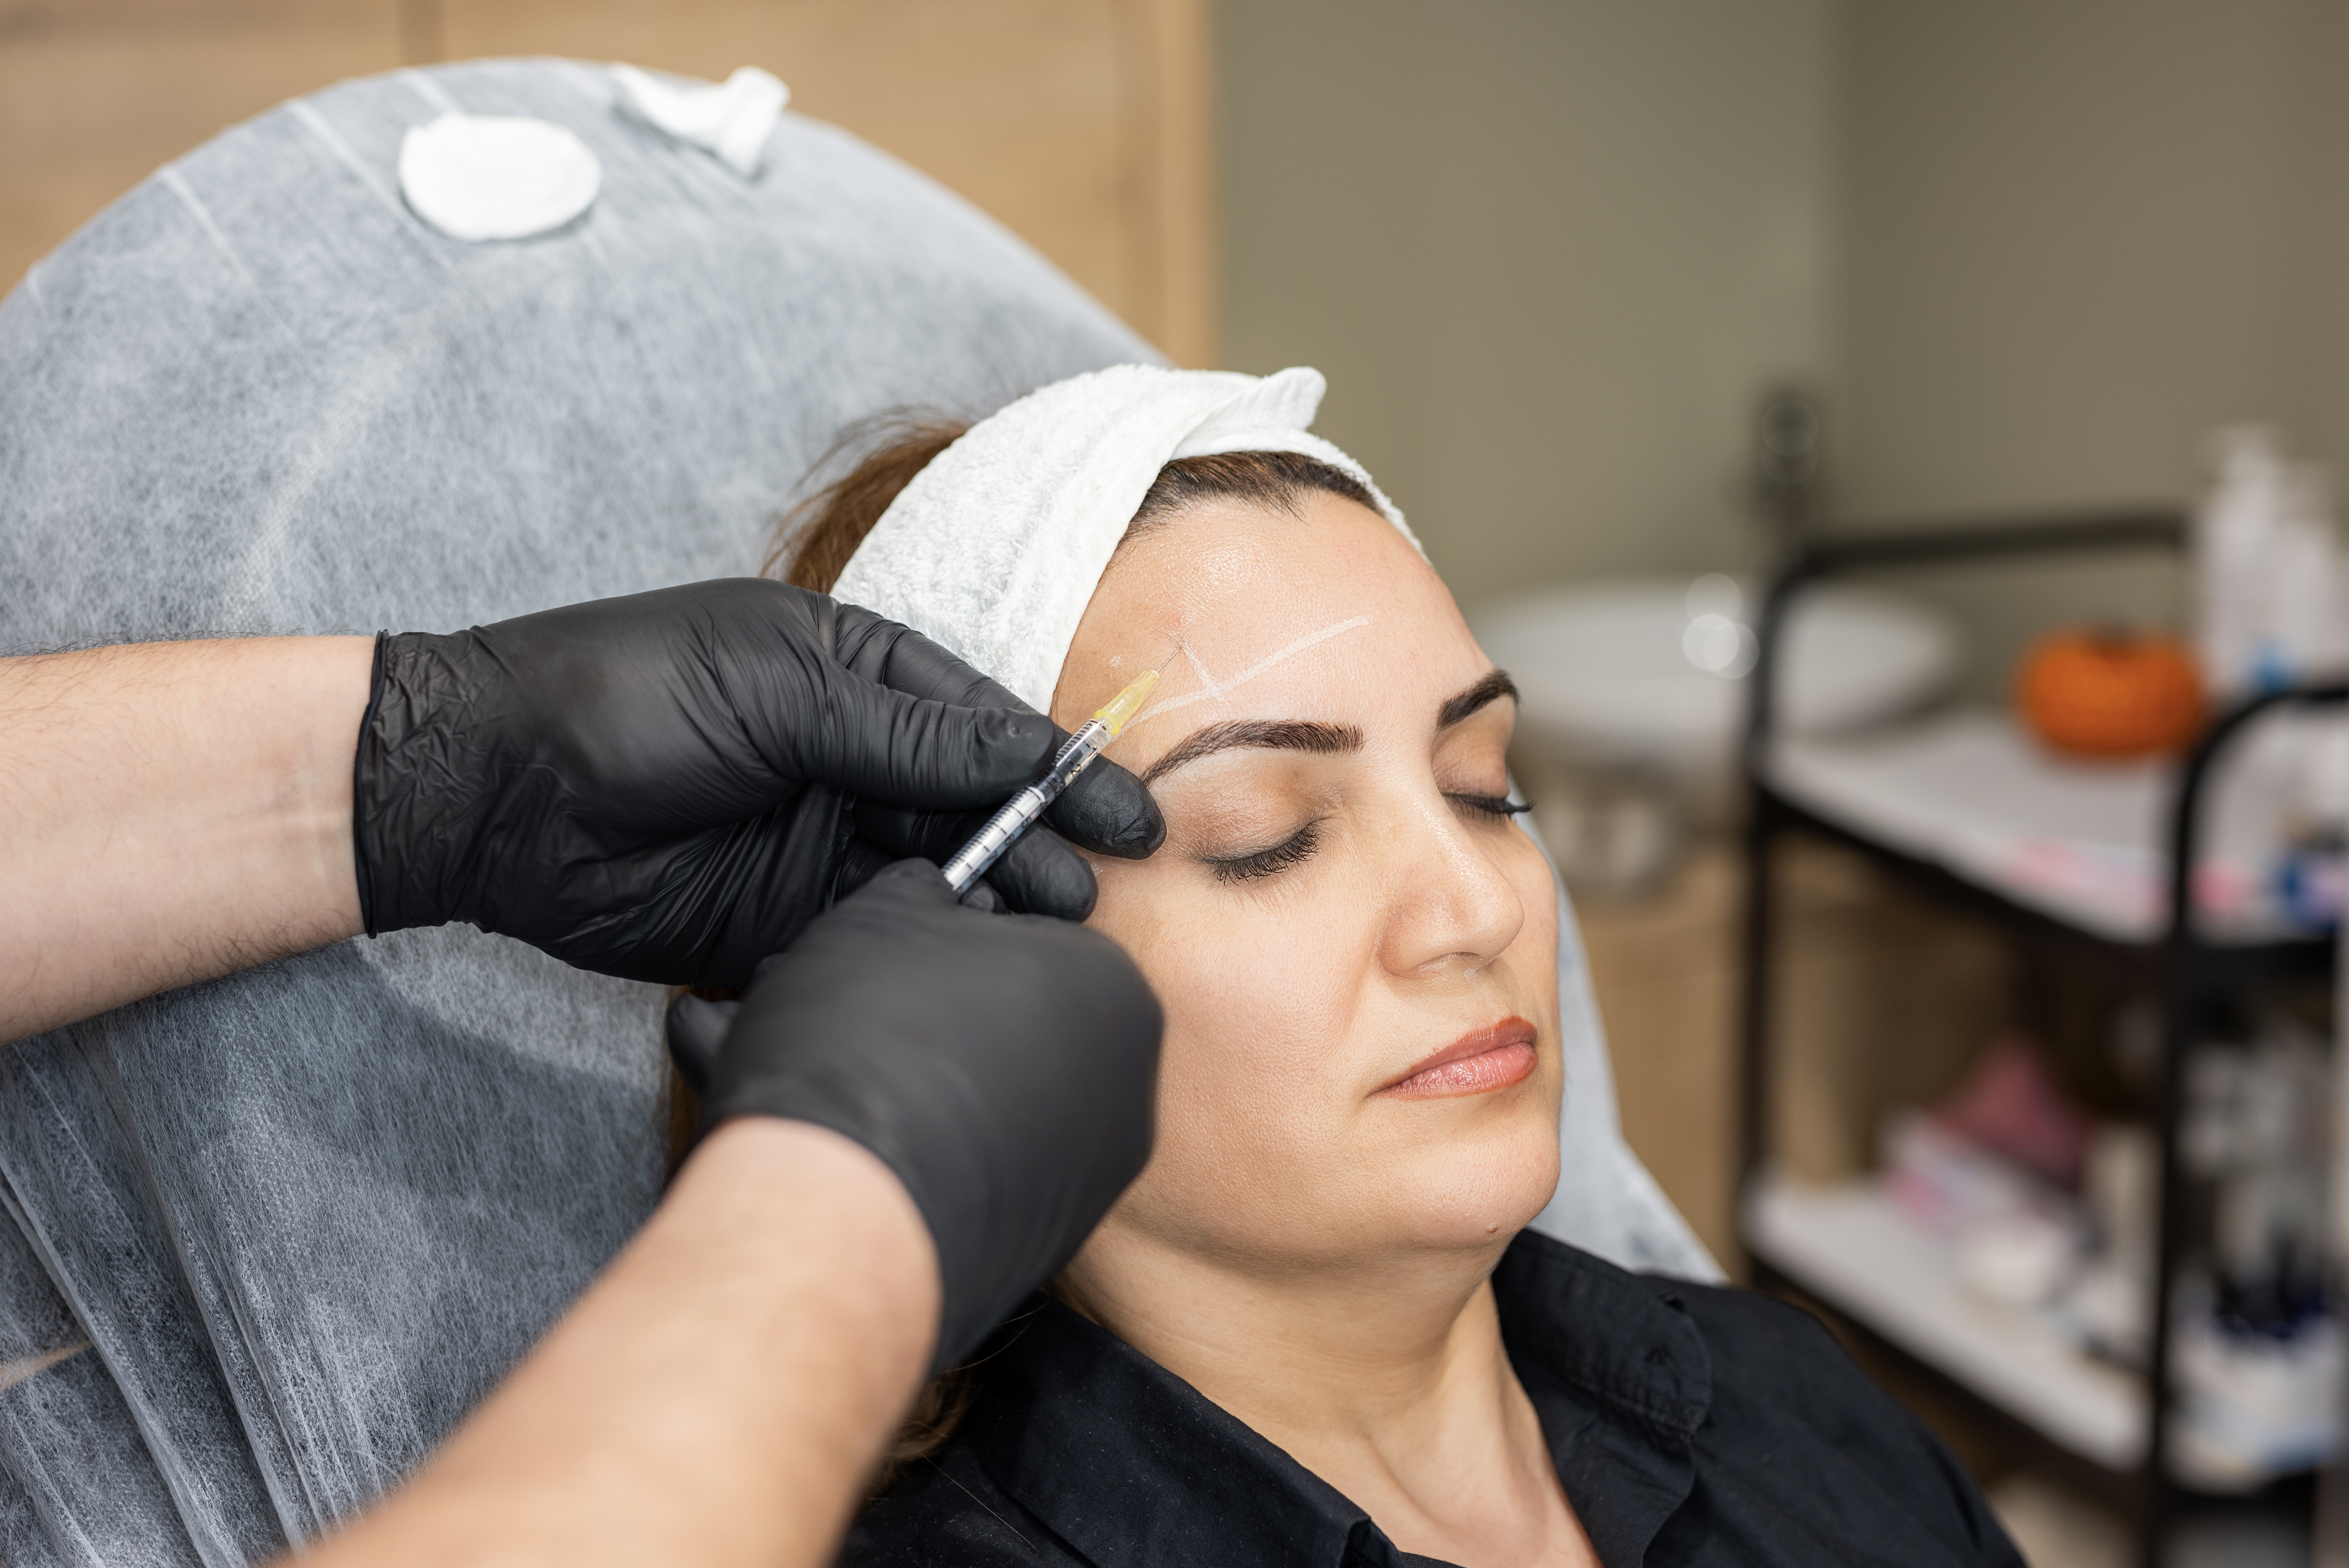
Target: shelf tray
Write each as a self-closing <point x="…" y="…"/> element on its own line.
<point x="2082" y="843"/>
<point x="1848" y="1245"/>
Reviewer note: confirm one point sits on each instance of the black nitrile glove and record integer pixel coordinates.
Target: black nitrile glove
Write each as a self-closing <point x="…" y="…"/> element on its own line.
<point x="1002" y="1065"/>
<point x="667" y="787"/>
<point x="1038" y="875"/>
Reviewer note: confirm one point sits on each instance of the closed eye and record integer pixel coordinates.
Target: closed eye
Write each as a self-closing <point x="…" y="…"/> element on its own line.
<point x="1499" y="807"/>
<point x="1294" y="850"/>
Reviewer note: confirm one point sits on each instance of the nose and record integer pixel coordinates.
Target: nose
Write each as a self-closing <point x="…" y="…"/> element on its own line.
<point x="1452" y="908"/>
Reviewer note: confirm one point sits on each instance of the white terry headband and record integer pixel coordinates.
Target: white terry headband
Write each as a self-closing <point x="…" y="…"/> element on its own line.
<point x="995" y="548"/>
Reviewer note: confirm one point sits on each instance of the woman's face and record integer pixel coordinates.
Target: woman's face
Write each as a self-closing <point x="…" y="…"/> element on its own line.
<point x="1356" y="949"/>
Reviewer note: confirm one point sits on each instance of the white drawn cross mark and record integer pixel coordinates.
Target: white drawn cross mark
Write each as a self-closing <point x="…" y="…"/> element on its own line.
<point x="1245" y="676"/>
<point x="1200" y="668"/>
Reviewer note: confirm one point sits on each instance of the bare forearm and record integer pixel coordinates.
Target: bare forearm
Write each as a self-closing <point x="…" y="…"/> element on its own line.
<point x="169" y="812"/>
<point x="720" y="1396"/>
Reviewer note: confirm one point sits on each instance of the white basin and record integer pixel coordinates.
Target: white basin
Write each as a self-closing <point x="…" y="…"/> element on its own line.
<point x="1652" y="673"/>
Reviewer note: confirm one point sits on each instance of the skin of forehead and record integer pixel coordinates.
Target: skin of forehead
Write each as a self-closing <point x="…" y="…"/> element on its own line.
<point x="1231" y="584"/>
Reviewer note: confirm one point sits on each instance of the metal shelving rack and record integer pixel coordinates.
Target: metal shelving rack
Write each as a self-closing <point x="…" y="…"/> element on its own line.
<point x="2189" y="972"/>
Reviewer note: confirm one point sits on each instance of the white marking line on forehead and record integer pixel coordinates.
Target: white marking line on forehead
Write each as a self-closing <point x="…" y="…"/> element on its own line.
<point x="1200" y="670"/>
<point x="1245" y="676"/>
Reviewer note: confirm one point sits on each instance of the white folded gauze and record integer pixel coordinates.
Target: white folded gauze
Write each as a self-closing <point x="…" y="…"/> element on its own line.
<point x="995" y="548"/>
<point x="496" y="176"/>
<point x="733" y="121"/>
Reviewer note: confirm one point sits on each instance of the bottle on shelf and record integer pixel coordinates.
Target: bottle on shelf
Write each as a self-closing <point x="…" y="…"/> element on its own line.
<point x="2269" y="602"/>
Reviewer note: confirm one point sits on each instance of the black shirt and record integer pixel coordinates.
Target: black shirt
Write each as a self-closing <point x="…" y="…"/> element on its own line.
<point x="1690" y="1425"/>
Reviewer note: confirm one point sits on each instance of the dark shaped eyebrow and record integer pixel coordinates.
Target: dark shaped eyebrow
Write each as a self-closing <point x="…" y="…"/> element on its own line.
<point x="1270" y="734"/>
<point x="1493" y="687"/>
<point x="1309" y="735"/>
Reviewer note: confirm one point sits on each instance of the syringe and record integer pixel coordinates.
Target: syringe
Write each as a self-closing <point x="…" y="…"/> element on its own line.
<point x="971" y="861"/>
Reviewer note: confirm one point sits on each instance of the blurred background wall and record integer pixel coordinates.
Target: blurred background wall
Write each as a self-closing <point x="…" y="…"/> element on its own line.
<point x="1547" y="253"/>
<point x="2081" y="235"/>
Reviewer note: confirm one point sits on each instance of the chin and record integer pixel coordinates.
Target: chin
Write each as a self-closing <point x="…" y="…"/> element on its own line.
<point x="1480" y="1184"/>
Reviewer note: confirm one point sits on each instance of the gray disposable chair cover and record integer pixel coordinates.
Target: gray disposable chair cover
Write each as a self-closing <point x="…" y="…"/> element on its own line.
<point x="263" y="1240"/>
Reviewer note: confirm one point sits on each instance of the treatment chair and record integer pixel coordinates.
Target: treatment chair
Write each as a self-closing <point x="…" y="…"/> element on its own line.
<point x="264" y="1241"/>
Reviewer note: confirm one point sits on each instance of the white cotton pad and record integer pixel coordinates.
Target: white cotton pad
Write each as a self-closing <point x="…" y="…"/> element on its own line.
<point x="733" y="121"/>
<point x="496" y="176"/>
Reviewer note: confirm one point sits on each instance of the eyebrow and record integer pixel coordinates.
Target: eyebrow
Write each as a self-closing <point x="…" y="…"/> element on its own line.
<point x="1309" y="735"/>
<point x="1269" y="734"/>
<point x="1492" y="689"/>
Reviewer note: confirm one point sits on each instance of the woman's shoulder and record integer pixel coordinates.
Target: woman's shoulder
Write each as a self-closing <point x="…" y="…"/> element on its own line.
<point x="1784" y="1386"/>
<point x="1766" y="1349"/>
<point x="1754" y="1346"/>
<point x="1737" y="1315"/>
<point x="1762" y="1397"/>
<point x="947" y="1512"/>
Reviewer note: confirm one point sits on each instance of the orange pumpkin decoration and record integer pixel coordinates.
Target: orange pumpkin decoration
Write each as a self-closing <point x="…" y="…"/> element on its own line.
<point x="2098" y="692"/>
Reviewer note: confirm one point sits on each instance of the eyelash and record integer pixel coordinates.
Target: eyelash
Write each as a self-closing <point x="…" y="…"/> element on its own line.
<point x="1300" y="846"/>
<point x="1499" y="807"/>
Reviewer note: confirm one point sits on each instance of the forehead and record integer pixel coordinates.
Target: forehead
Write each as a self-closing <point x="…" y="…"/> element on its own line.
<point x="1327" y="613"/>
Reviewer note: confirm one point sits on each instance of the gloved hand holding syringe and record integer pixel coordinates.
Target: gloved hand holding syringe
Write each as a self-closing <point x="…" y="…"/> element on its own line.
<point x="972" y="861"/>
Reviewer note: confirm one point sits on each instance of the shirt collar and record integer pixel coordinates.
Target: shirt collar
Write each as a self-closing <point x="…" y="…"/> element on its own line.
<point x="1135" y="1469"/>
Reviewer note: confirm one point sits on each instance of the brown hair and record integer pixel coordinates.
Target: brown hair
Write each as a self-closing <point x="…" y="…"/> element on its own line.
<point x="818" y="535"/>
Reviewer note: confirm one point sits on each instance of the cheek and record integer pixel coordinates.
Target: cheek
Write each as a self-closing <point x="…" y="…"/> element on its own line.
<point x="1536" y="946"/>
<point x="1260" y="995"/>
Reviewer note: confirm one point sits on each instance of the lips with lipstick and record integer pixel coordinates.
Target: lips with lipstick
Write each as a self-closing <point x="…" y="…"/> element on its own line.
<point x="1479" y="1062"/>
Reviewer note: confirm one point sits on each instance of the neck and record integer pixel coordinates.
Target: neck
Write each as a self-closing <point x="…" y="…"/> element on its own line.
<point x="1386" y="1377"/>
<point x="1297" y="1347"/>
